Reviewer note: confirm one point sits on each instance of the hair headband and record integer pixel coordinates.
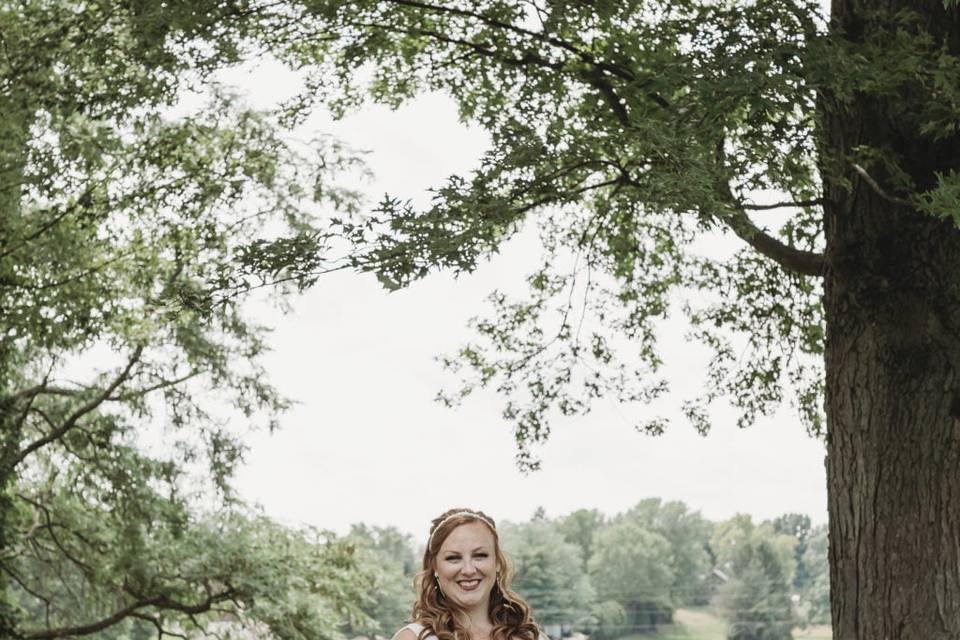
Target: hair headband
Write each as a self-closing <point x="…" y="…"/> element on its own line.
<point x="464" y="512"/>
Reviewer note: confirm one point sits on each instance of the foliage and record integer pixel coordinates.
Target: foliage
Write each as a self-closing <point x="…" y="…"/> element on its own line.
<point x="389" y="555"/>
<point x="816" y="595"/>
<point x="579" y="528"/>
<point x="130" y="229"/>
<point x="687" y="532"/>
<point x="796" y="525"/>
<point x="549" y="571"/>
<point x="740" y="531"/>
<point x="626" y="133"/>
<point x="608" y="620"/>
<point x="633" y="566"/>
<point x="102" y="541"/>
<point x="630" y="136"/>
<point x="654" y="557"/>
<point x="757" y="600"/>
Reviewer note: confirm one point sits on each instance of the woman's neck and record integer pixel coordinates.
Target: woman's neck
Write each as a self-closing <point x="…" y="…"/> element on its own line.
<point x="478" y="622"/>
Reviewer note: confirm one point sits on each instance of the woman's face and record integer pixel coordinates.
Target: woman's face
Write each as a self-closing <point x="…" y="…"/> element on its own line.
<point x="466" y="566"/>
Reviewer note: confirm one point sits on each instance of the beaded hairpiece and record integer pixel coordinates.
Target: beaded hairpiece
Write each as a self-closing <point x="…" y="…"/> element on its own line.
<point x="464" y="512"/>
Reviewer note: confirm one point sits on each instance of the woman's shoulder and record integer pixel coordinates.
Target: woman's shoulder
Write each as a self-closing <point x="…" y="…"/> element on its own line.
<point x="409" y="632"/>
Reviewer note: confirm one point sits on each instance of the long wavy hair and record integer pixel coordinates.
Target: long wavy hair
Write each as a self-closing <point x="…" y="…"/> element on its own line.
<point x="439" y="616"/>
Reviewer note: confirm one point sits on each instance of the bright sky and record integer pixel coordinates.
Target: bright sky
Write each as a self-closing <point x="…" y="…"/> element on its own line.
<point x="368" y="443"/>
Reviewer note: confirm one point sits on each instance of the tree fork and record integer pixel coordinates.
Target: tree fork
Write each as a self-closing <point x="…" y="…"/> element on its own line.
<point x="892" y="307"/>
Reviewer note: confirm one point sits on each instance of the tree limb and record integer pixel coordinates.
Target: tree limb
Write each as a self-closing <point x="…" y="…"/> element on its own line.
<point x="55" y="220"/>
<point x="23" y="584"/>
<point x="506" y="26"/>
<point x="807" y="263"/>
<point x="596" y="77"/>
<point x="790" y="258"/>
<point x="49" y="390"/>
<point x="156" y="622"/>
<point x="71" y="421"/>
<point x="159" y="601"/>
<point x="560" y="43"/>
<point x="879" y="190"/>
<point x="801" y="204"/>
<point x="481" y="48"/>
<point x="83" y="566"/>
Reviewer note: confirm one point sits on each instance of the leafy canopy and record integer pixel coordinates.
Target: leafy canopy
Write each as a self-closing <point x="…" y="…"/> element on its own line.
<point x="624" y="131"/>
<point x="131" y="227"/>
<point x="631" y="136"/>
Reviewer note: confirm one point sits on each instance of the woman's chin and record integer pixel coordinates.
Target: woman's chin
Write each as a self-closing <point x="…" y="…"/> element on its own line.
<point x="471" y="599"/>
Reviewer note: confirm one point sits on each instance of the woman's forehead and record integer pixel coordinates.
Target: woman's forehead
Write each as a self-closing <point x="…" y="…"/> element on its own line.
<point x="468" y="536"/>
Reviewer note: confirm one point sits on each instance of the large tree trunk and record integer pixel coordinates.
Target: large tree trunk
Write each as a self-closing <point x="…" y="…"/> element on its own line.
<point x="892" y="302"/>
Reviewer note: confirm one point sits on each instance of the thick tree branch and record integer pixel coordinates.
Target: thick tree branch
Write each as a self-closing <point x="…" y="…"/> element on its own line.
<point x="599" y="81"/>
<point x="807" y="263"/>
<point x="160" y="602"/>
<point x="71" y="421"/>
<point x="50" y="390"/>
<point x="799" y="204"/>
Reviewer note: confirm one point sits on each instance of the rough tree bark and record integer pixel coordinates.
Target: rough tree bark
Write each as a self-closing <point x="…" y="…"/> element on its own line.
<point x="892" y="304"/>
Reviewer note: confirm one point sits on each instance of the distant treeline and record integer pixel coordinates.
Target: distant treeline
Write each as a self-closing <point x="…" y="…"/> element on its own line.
<point x="612" y="576"/>
<point x="604" y="576"/>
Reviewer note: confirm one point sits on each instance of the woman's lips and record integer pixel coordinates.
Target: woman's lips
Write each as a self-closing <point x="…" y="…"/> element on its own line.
<point x="469" y="585"/>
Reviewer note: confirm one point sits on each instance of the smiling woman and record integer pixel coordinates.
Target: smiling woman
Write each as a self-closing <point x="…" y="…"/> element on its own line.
<point x="464" y="585"/>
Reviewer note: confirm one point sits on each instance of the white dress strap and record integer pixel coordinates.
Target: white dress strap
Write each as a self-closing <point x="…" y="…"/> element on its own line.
<point x="417" y="628"/>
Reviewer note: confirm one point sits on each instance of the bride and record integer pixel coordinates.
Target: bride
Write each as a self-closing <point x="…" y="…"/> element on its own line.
<point x="464" y="585"/>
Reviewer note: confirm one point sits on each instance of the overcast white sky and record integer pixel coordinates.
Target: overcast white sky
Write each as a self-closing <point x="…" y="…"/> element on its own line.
<point x="368" y="443"/>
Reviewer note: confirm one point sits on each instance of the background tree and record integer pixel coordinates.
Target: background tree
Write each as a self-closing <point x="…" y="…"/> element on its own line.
<point x="608" y="620"/>
<point x="579" y="528"/>
<point x="756" y="602"/>
<point x="389" y="555"/>
<point x="816" y="594"/>
<point x="733" y="534"/>
<point x="633" y="567"/>
<point x="128" y="235"/>
<point x="796" y="525"/>
<point x="688" y="533"/>
<point x="630" y="135"/>
<point x="549" y="571"/>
